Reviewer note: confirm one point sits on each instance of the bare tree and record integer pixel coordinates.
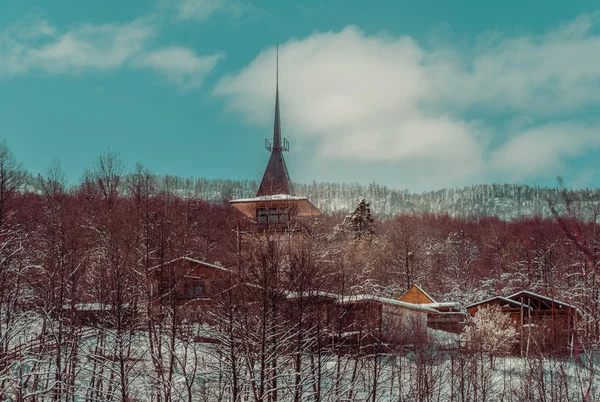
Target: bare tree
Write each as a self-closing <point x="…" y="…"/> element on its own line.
<point x="492" y="332"/>
<point x="112" y="227"/>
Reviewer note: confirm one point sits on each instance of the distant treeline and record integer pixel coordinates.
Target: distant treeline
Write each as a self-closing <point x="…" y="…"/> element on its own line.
<point x="506" y="201"/>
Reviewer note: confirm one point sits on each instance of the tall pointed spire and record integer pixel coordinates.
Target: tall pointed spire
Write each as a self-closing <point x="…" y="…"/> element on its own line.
<point x="276" y="179"/>
<point x="277" y="125"/>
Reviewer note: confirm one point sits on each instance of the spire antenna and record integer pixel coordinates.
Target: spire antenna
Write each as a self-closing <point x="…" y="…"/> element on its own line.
<point x="276" y="177"/>
<point x="278" y="144"/>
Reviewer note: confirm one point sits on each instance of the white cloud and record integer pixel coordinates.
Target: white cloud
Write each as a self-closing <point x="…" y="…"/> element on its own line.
<point x="541" y="150"/>
<point x="26" y="47"/>
<point x="181" y="66"/>
<point x="377" y="98"/>
<point x="201" y="10"/>
<point x="541" y="74"/>
<point x="99" y="47"/>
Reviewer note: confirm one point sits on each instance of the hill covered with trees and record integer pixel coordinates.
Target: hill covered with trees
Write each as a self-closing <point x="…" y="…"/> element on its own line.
<point x="505" y="201"/>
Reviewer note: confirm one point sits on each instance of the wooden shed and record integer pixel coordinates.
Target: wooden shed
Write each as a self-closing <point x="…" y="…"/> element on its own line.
<point x="188" y="284"/>
<point x="381" y="320"/>
<point x="547" y="325"/>
<point x="544" y="324"/>
<point x="508" y="306"/>
<point x="446" y="315"/>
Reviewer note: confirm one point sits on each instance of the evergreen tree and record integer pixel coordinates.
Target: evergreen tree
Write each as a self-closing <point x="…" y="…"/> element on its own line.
<point x="360" y="222"/>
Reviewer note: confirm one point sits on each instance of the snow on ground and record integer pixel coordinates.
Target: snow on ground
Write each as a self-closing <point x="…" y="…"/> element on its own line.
<point x="422" y="373"/>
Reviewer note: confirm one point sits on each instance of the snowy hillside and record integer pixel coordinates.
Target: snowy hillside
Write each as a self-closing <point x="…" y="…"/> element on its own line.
<point x="506" y="201"/>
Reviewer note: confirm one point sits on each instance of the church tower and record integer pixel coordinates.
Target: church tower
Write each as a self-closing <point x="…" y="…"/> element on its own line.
<point x="276" y="179"/>
<point x="276" y="208"/>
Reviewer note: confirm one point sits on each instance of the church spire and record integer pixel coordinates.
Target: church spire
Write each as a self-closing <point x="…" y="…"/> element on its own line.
<point x="276" y="179"/>
<point x="277" y="124"/>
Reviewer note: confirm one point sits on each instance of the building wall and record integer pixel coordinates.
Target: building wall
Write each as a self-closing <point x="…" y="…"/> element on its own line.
<point x="415" y="296"/>
<point x="541" y="331"/>
<point x="380" y="322"/>
<point x="447" y="321"/>
<point x="514" y="312"/>
<point x="401" y="325"/>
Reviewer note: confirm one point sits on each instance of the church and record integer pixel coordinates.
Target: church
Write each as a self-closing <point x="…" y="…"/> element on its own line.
<point x="276" y="209"/>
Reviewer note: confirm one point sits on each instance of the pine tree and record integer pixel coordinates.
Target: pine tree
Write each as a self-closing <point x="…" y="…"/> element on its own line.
<point x="359" y="223"/>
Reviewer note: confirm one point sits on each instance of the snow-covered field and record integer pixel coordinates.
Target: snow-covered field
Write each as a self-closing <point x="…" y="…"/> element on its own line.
<point x="93" y="370"/>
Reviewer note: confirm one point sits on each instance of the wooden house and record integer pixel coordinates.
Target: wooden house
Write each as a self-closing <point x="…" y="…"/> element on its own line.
<point x="446" y="316"/>
<point x="314" y="311"/>
<point x="508" y="306"/>
<point x="547" y="324"/>
<point x="416" y="295"/>
<point x="376" y="320"/>
<point x="543" y="324"/>
<point x="189" y="285"/>
<point x="360" y="321"/>
<point x="99" y="314"/>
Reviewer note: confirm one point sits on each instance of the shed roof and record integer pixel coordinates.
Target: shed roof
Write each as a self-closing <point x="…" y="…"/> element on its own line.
<point x="385" y="300"/>
<point x="194" y="261"/>
<point x="547" y="299"/>
<point x="512" y="303"/>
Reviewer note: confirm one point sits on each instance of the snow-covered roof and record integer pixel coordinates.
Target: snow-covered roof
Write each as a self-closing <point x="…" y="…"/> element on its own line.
<point x="274" y="197"/>
<point x="385" y="300"/>
<point x="441" y="304"/>
<point x="358" y="298"/>
<point x="93" y="306"/>
<point x="192" y="260"/>
<point x="500" y="298"/>
<point x="248" y="206"/>
<point x="538" y="296"/>
<point x="310" y="293"/>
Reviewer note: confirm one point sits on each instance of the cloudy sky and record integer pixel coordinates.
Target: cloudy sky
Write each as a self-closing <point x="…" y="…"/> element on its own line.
<point x="418" y="95"/>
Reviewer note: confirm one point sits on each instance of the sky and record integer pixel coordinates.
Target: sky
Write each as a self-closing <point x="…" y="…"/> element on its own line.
<point x="414" y="95"/>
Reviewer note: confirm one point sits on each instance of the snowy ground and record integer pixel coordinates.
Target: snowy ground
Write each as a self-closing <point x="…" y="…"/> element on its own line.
<point x="418" y="375"/>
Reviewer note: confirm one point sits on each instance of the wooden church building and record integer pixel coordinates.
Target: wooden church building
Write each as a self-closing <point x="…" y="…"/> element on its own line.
<point x="276" y="209"/>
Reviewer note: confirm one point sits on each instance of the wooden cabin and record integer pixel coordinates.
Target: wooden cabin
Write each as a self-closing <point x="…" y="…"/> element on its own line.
<point x="544" y="324"/>
<point x="100" y="314"/>
<point x="361" y="322"/>
<point x="508" y="306"/>
<point x="373" y="320"/>
<point x="416" y="295"/>
<point x="446" y="315"/>
<point x="314" y="311"/>
<point x="189" y="285"/>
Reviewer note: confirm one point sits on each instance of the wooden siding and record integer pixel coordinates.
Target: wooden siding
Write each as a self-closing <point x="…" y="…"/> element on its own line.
<point x="414" y="295"/>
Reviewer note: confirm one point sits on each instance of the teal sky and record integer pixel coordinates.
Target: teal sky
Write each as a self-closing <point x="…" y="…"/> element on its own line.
<point x="418" y="95"/>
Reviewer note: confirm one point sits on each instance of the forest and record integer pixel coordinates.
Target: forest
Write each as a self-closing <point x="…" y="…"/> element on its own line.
<point x="506" y="201"/>
<point x="64" y="249"/>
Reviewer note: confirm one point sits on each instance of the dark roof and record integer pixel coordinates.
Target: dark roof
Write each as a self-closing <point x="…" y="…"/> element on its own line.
<point x="502" y="300"/>
<point x="276" y="179"/>
<point x="193" y="261"/>
<point x="527" y="294"/>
